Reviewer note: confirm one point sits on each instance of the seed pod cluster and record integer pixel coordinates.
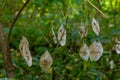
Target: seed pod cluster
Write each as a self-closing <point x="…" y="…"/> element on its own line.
<point x="95" y="51"/>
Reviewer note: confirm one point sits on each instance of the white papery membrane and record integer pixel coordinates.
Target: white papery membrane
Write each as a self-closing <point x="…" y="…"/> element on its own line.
<point x="46" y="61"/>
<point x="62" y="35"/>
<point x="84" y="52"/>
<point x="83" y="31"/>
<point x="95" y="27"/>
<point x="117" y="48"/>
<point x="24" y="50"/>
<point x="96" y="51"/>
<point x="111" y="64"/>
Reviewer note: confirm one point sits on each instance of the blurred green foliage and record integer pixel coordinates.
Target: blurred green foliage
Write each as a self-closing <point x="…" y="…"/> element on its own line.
<point x="35" y="23"/>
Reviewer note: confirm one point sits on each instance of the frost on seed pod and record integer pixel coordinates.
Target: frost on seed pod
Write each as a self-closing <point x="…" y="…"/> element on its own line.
<point x="54" y="36"/>
<point x="62" y="35"/>
<point x="46" y="61"/>
<point x="84" y="52"/>
<point x="96" y="51"/>
<point x="95" y="27"/>
<point x="24" y="50"/>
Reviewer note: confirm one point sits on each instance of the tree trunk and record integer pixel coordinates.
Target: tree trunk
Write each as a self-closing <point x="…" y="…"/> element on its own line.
<point x="6" y="54"/>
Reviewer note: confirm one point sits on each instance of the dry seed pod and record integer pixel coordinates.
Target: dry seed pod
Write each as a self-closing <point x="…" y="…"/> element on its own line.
<point x="84" y="52"/>
<point x="46" y="61"/>
<point x="111" y="64"/>
<point x="24" y="49"/>
<point x="83" y="30"/>
<point x="95" y="27"/>
<point x="117" y="41"/>
<point x="62" y="35"/>
<point x="96" y="51"/>
<point x="54" y="36"/>
<point x="117" y="48"/>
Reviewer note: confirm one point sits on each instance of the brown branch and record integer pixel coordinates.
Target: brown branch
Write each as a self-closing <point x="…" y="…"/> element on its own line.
<point x="16" y="19"/>
<point x="6" y="54"/>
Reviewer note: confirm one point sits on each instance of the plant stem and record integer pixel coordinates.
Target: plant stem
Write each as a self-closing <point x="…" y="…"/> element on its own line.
<point x="11" y="28"/>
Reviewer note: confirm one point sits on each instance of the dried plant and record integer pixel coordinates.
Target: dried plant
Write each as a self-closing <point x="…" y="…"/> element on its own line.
<point x="95" y="27"/>
<point x="84" y="52"/>
<point x="83" y="30"/>
<point x="117" y="48"/>
<point x="24" y="49"/>
<point x="46" y="61"/>
<point x="111" y="64"/>
<point x="62" y="35"/>
<point x="96" y="51"/>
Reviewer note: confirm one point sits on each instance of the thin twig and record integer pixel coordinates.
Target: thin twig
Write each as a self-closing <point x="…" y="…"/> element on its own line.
<point x="16" y="19"/>
<point x="97" y="9"/>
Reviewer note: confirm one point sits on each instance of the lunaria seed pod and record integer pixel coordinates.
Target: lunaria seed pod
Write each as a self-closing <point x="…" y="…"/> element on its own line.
<point x="24" y="50"/>
<point x="83" y="30"/>
<point x="111" y="64"/>
<point x="95" y="27"/>
<point x="117" y="41"/>
<point x="96" y="51"/>
<point x="54" y="36"/>
<point x="62" y="35"/>
<point x="117" y="48"/>
<point x="84" y="52"/>
<point x="46" y="61"/>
